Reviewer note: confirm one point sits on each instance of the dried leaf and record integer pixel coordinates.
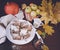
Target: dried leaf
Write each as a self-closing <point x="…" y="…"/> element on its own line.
<point x="57" y="15"/>
<point x="57" y="11"/>
<point x="45" y="47"/>
<point x="44" y="17"/>
<point x="48" y="29"/>
<point x="51" y="14"/>
<point x="39" y="32"/>
<point x="44" y="3"/>
<point x="42" y="8"/>
<point x="50" y="6"/>
<point x="53" y="19"/>
<point x="44" y="35"/>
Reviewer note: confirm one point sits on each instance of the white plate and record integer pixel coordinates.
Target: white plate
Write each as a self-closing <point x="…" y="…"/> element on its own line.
<point x="2" y="40"/>
<point x="2" y="34"/>
<point x="20" y="42"/>
<point x="2" y="31"/>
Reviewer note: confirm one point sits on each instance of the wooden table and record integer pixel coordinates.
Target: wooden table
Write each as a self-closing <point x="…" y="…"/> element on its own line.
<point x="53" y="42"/>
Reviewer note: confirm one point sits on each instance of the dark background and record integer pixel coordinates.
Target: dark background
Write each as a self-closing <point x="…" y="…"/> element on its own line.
<point x="52" y="41"/>
<point x="19" y="2"/>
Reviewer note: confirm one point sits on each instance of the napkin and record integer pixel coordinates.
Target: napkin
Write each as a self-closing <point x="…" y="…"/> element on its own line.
<point x="37" y="23"/>
<point x="6" y="19"/>
<point x="20" y="15"/>
<point x="2" y="34"/>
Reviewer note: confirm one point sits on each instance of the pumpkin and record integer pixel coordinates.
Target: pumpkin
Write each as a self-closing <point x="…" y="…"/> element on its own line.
<point x="11" y="8"/>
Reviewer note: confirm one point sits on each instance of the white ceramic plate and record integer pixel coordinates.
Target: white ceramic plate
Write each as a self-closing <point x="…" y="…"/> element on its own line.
<point x="2" y="34"/>
<point x="2" y="31"/>
<point x="20" y="42"/>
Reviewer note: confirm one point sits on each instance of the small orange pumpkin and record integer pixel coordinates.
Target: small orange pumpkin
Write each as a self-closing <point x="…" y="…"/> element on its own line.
<point x="11" y="8"/>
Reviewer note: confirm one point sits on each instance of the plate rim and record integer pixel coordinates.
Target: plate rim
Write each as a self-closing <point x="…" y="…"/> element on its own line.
<point x="14" y="41"/>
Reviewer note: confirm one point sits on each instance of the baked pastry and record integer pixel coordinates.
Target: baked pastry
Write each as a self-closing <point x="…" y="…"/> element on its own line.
<point x="20" y="30"/>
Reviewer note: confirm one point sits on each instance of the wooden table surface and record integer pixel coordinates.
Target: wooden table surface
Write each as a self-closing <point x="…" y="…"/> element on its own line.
<point x="53" y="42"/>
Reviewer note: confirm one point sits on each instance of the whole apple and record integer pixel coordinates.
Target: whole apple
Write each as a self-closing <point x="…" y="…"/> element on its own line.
<point x="38" y="11"/>
<point x="33" y="14"/>
<point x="28" y="9"/>
<point x="33" y="6"/>
<point x="24" y="6"/>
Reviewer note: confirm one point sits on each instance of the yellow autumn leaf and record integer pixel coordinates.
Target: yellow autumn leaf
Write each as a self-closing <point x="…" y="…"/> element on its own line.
<point x="42" y="8"/>
<point x="57" y="11"/>
<point x="44" y="17"/>
<point x="44" y="3"/>
<point x="39" y="32"/>
<point x="50" y="6"/>
<point x="43" y="13"/>
<point x="53" y="19"/>
<point x="45" y="47"/>
<point x="57" y="16"/>
<point x="48" y="29"/>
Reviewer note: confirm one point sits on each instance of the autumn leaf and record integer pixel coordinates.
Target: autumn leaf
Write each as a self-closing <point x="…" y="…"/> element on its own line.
<point x="42" y="8"/>
<point x="57" y="11"/>
<point x="47" y="12"/>
<point x="44" y="17"/>
<point x="53" y="19"/>
<point x="50" y="6"/>
<point x="57" y="16"/>
<point x="39" y="32"/>
<point x="44" y="3"/>
<point x="48" y="29"/>
<point x="45" y="47"/>
<point x="51" y="14"/>
<point x="44" y="35"/>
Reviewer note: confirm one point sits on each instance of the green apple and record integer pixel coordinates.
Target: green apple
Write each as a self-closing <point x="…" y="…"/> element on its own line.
<point x="33" y="6"/>
<point x="28" y="9"/>
<point x="38" y="11"/>
<point x="24" y="6"/>
<point x="33" y="14"/>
